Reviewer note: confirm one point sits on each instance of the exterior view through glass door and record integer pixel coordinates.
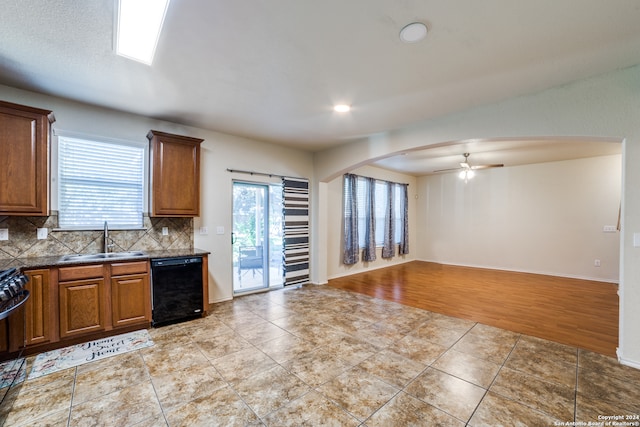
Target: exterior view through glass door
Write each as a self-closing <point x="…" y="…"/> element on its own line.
<point x="257" y="236"/>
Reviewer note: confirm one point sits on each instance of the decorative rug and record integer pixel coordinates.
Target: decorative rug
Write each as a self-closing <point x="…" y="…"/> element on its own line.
<point x="79" y="354"/>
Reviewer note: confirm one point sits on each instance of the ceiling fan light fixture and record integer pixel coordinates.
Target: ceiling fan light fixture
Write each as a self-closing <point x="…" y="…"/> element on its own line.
<point x="466" y="174"/>
<point x="413" y="32"/>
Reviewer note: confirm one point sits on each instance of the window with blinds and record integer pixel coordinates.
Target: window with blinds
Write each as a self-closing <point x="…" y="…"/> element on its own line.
<point x="380" y="206"/>
<point x="100" y="181"/>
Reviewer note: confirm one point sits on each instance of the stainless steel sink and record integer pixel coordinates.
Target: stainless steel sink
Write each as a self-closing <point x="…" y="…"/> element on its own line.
<point x="104" y="256"/>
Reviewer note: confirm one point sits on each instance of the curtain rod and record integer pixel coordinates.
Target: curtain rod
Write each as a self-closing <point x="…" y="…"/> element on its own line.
<point x="378" y="179"/>
<point x="270" y="175"/>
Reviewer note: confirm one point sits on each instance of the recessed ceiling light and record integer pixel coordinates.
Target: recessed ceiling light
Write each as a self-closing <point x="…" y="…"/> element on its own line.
<point x="342" y="108"/>
<point x="139" y="25"/>
<point x="413" y="32"/>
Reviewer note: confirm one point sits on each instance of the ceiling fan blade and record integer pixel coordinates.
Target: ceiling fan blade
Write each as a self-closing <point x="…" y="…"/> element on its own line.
<point x="465" y="165"/>
<point x="446" y="170"/>
<point x="500" y="165"/>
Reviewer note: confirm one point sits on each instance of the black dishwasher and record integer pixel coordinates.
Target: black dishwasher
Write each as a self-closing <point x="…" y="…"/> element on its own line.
<point x="176" y="288"/>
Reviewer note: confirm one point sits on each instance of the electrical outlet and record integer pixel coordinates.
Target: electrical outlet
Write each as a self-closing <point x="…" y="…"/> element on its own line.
<point x="596" y="263"/>
<point x="42" y="233"/>
<point x="165" y="231"/>
<point x="204" y="231"/>
<point x="219" y="229"/>
<point x="4" y="234"/>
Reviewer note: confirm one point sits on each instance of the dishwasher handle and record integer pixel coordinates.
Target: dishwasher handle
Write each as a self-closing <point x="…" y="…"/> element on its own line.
<point x="169" y="262"/>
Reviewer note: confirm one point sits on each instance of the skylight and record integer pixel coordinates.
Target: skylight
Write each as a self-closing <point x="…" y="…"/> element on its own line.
<point x="139" y="25"/>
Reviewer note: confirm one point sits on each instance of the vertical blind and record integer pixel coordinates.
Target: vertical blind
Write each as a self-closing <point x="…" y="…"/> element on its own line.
<point x="98" y="182"/>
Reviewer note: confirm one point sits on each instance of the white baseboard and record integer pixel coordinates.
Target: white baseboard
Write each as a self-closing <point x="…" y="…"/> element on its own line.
<point x="627" y="362"/>
<point x="515" y="270"/>
<point x="630" y="363"/>
<point x="220" y="300"/>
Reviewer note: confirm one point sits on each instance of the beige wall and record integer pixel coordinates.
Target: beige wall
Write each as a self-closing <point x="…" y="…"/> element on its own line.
<point x="335" y="224"/>
<point x="604" y="106"/>
<point x="219" y="151"/>
<point x="543" y="218"/>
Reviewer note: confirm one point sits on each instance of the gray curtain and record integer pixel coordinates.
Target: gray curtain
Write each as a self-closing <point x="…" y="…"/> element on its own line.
<point x="388" y="247"/>
<point x="403" y="248"/>
<point x="369" y="252"/>
<point x="350" y="235"/>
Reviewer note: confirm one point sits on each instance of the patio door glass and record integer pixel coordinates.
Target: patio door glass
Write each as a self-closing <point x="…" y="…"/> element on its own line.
<point x="257" y="236"/>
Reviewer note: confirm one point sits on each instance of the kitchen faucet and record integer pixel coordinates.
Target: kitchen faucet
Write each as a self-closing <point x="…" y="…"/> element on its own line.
<point x="106" y="238"/>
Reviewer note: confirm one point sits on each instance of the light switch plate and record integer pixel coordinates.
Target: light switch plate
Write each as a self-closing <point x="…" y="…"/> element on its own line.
<point x="42" y="233"/>
<point x="4" y="234"/>
<point x="165" y="231"/>
<point x="636" y="240"/>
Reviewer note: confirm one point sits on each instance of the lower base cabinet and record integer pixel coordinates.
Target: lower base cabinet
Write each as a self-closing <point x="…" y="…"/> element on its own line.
<point x="73" y="301"/>
<point x="82" y="307"/>
<point x="130" y="300"/>
<point x="38" y="307"/>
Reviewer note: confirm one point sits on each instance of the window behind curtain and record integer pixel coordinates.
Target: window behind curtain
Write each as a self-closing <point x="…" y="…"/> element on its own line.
<point x="100" y="181"/>
<point x="381" y="197"/>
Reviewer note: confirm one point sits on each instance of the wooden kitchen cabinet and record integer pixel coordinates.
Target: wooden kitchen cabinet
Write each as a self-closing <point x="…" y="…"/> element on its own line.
<point x="130" y="294"/>
<point x="24" y="159"/>
<point x="82" y="300"/>
<point x="38" y="323"/>
<point x="174" y="175"/>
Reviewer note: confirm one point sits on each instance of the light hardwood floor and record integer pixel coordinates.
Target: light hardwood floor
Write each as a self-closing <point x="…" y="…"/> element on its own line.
<point x="576" y="312"/>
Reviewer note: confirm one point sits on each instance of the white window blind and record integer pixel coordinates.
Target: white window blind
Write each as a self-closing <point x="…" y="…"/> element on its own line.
<point x="380" y="207"/>
<point x="100" y="181"/>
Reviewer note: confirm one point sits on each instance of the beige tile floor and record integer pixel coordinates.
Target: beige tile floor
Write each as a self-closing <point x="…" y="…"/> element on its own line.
<point x="318" y="356"/>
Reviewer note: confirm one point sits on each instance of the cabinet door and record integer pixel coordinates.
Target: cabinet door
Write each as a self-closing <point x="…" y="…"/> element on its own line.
<point x="130" y="299"/>
<point x="82" y="307"/>
<point x="38" y="307"/>
<point x="24" y="150"/>
<point x="175" y="175"/>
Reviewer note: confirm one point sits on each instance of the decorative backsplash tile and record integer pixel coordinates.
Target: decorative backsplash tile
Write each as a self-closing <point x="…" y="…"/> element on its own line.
<point x="23" y="240"/>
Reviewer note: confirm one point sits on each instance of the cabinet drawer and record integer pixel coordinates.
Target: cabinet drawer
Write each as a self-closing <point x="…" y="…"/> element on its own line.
<point x="122" y="268"/>
<point x="80" y="272"/>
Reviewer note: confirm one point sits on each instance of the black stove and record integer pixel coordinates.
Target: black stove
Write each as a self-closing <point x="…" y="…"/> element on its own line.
<point x="12" y="292"/>
<point x="12" y="365"/>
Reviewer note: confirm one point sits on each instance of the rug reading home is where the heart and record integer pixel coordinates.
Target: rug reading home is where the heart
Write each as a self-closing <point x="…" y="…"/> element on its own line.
<point x="75" y="355"/>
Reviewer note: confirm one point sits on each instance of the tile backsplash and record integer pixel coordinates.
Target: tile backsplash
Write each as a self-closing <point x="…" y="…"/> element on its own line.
<point x="23" y="241"/>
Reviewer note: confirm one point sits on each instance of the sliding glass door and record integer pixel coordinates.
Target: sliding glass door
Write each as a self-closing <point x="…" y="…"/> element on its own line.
<point x="257" y="236"/>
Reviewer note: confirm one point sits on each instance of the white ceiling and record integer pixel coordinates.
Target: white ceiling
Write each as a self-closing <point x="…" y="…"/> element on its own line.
<point x="498" y="151"/>
<point x="272" y="69"/>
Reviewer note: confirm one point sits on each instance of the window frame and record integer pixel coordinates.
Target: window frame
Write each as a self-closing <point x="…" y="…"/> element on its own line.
<point x="379" y="208"/>
<point x="56" y="174"/>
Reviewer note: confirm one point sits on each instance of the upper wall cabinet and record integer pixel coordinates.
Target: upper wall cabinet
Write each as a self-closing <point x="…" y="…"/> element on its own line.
<point x="175" y="175"/>
<point x="24" y="160"/>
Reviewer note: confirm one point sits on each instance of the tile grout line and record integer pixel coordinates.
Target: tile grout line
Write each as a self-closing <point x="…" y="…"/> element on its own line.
<point x="73" y="395"/>
<point x="494" y="378"/>
<point x="575" y="395"/>
<point x="155" y="391"/>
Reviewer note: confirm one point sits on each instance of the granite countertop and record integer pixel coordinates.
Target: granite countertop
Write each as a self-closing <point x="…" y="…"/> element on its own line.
<point x="56" y="260"/>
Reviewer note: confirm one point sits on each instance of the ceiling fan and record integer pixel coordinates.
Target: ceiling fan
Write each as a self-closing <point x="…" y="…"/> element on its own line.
<point x="467" y="170"/>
